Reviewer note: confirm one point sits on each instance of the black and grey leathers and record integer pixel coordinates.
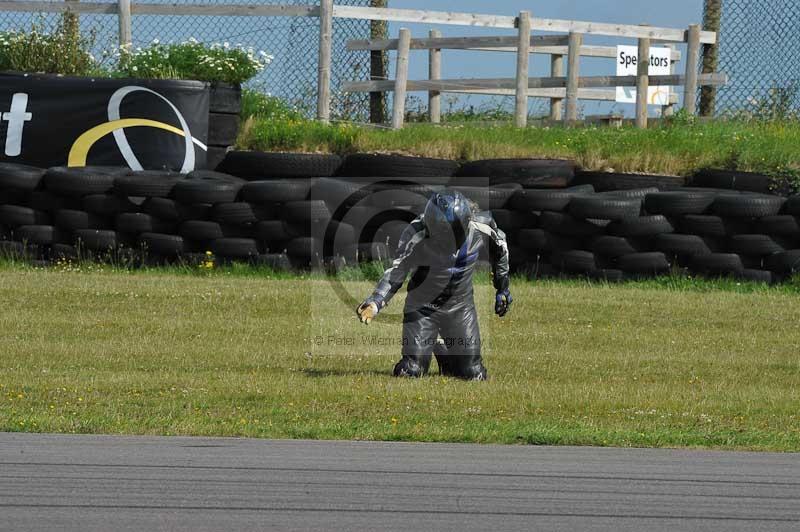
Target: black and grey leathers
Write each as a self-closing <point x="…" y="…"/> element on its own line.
<point x="439" y="314"/>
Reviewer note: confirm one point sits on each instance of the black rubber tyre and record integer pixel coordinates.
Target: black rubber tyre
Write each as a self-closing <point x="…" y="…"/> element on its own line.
<point x="382" y="165"/>
<point x="641" y="226"/>
<point x="162" y="245"/>
<point x="682" y="246"/>
<point x="779" y="225"/>
<point x="275" y="261"/>
<point x="575" y="261"/>
<point x="413" y="196"/>
<point x="651" y="263"/>
<point x="633" y="193"/>
<point x="36" y="234"/>
<point x="222" y="128"/>
<point x="77" y="182"/>
<point x="224" y="98"/>
<point x="20" y="176"/>
<point x="541" y="200"/>
<point x="240" y="213"/>
<point x="718" y="264"/>
<point x="607" y="275"/>
<point x="784" y="263"/>
<point x="72" y="220"/>
<point x="566" y="225"/>
<point x="108" y="205"/>
<point x="756" y="276"/>
<point x="172" y="211"/>
<point x="339" y="194"/>
<point x="734" y="180"/>
<point x="489" y="198"/>
<point x="148" y="184"/>
<point x="747" y="205"/>
<point x="539" y="241"/>
<point x="235" y="248"/>
<point x="41" y="200"/>
<point x="606" y="181"/>
<point x="755" y="245"/>
<point x="16" y="215"/>
<point x="304" y="249"/>
<point x="63" y="252"/>
<point x="675" y="203"/>
<point x="203" y="186"/>
<point x="97" y="239"/>
<point x="201" y="230"/>
<point x="612" y="247"/>
<point x="253" y="165"/>
<point x="604" y="207"/>
<point x="272" y="231"/>
<point x="215" y="155"/>
<point x="136" y="223"/>
<point x="277" y="191"/>
<point x="509" y="221"/>
<point x="307" y="212"/>
<point x="713" y="226"/>
<point x="792" y="205"/>
<point x="531" y="173"/>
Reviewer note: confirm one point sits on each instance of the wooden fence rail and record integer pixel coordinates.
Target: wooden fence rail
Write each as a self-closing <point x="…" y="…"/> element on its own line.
<point x="523" y="43"/>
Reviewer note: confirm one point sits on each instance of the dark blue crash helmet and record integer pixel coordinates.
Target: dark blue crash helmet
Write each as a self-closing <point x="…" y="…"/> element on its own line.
<point x="447" y="216"/>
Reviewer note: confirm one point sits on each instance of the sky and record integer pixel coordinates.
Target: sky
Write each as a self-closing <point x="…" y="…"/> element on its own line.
<point x="460" y="64"/>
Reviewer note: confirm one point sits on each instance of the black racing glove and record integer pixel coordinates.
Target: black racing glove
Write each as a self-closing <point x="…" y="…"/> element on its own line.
<point x="502" y="302"/>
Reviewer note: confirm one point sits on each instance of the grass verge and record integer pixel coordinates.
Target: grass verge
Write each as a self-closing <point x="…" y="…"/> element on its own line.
<point x="677" y="148"/>
<point x="236" y="354"/>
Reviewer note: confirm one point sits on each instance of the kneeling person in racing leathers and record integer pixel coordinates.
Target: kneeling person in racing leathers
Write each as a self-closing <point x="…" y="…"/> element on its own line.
<point x="440" y="248"/>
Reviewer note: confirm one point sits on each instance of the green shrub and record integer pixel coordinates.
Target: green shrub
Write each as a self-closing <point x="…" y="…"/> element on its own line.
<point x="265" y="106"/>
<point x="61" y="50"/>
<point x="192" y="60"/>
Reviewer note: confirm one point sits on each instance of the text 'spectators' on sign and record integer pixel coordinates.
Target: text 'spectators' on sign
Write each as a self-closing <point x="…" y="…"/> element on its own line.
<point x="142" y="124"/>
<point x="627" y="64"/>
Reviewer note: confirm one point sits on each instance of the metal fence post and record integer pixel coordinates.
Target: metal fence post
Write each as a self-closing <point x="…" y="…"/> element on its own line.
<point x="692" y="57"/>
<point x="711" y="22"/>
<point x="401" y="79"/>
<point x="642" y="82"/>
<point x="125" y="37"/>
<point x="669" y="109"/>
<point x="573" y="66"/>
<point x="523" y="60"/>
<point x="324" y="66"/>
<point x="435" y="73"/>
<point x="556" y="71"/>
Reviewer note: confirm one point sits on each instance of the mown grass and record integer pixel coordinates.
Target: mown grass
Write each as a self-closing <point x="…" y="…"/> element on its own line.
<point x="235" y="354"/>
<point x="676" y="148"/>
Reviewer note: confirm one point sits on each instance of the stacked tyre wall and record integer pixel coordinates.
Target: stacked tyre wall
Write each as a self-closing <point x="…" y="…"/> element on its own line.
<point x="301" y="211"/>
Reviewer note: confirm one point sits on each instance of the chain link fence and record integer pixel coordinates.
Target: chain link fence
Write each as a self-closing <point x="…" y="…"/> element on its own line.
<point x="760" y="51"/>
<point x="292" y="41"/>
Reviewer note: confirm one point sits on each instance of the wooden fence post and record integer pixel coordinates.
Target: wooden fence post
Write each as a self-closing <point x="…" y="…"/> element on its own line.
<point x="573" y="72"/>
<point x="642" y="82"/>
<point x="556" y="71"/>
<point x="523" y="60"/>
<point x="324" y="66"/>
<point x="435" y="73"/>
<point x="692" y="59"/>
<point x="378" y="66"/>
<point x="401" y="79"/>
<point x="712" y="15"/>
<point x="125" y="37"/>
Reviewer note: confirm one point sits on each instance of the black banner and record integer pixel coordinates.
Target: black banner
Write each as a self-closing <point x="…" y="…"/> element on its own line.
<point x="68" y="121"/>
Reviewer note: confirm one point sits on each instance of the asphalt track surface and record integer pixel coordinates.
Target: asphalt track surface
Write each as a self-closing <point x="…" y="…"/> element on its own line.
<point x="110" y="483"/>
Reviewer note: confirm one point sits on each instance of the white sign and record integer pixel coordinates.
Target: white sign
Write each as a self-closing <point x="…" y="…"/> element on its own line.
<point x="627" y="64"/>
